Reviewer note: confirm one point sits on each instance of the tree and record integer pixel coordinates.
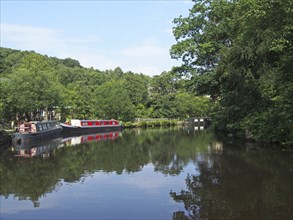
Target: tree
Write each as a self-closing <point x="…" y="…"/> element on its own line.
<point x="80" y="100"/>
<point x="8" y="59"/>
<point x="137" y="87"/>
<point x="184" y="105"/>
<point x="28" y="93"/>
<point x="112" y="101"/>
<point x="240" y="53"/>
<point x="162" y="93"/>
<point x="36" y="62"/>
<point x="71" y="62"/>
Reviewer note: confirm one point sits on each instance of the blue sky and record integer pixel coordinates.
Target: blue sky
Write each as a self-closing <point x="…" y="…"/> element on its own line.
<point x="134" y="35"/>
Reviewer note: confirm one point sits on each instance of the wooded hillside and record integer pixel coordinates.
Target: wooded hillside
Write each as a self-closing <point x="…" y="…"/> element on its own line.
<point x="32" y="83"/>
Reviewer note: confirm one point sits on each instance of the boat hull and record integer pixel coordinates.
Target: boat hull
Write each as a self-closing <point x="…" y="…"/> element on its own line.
<point x="69" y="129"/>
<point x="26" y="138"/>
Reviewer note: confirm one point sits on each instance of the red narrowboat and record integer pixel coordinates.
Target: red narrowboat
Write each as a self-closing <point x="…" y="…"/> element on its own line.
<point x="90" y="126"/>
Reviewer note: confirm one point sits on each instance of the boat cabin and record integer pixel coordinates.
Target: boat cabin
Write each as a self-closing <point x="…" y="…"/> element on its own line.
<point x="89" y="123"/>
<point x="36" y="126"/>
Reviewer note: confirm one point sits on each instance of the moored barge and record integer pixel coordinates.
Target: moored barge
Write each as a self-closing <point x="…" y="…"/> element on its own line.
<point x="76" y="126"/>
<point x="36" y="130"/>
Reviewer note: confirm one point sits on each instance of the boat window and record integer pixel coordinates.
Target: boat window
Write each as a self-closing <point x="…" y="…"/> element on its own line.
<point x="44" y="126"/>
<point x="40" y="127"/>
<point x="48" y="125"/>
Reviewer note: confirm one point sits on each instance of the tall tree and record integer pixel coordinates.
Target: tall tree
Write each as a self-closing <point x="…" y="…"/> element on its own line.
<point x="240" y="53"/>
<point x="137" y="87"/>
<point x="112" y="101"/>
<point x="28" y="93"/>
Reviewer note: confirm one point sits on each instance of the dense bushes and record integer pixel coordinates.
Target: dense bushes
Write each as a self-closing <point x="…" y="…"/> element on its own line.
<point x="152" y="123"/>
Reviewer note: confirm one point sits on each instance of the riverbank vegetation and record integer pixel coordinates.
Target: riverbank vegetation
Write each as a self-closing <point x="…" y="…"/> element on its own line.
<point x="152" y="123"/>
<point x="240" y="53"/>
<point x="237" y="69"/>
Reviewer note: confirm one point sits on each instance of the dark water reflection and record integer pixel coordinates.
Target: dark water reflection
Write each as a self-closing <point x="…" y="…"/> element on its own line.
<point x="146" y="174"/>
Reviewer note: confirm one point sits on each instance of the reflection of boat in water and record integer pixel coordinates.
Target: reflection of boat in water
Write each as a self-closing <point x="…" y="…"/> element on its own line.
<point x="74" y="140"/>
<point x="35" y="131"/>
<point x="76" y="126"/>
<point x="44" y="148"/>
<point x="36" y="149"/>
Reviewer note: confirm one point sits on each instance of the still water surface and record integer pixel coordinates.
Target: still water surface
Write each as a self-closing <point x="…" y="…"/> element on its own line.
<point x="146" y="174"/>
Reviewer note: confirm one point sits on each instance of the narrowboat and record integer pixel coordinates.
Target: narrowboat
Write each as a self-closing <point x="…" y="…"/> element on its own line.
<point x="76" y="126"/>
<point x="34" y="131"/>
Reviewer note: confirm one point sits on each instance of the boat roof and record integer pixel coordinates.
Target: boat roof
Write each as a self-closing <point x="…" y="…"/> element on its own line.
<point x="39" y="122"/>
<point x="94" y="119"/>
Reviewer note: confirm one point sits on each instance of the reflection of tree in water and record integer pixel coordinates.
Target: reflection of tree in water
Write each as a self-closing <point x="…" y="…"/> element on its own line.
<point x="173" y="152"/>
<point x="168" y="150"/>
<point x="239" y="185"/>
<point x="28" y="179"/>
<point x="202" y="194"/>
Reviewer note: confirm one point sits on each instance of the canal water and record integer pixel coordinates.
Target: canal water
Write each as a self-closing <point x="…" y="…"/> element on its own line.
<point x="176" y="173"/>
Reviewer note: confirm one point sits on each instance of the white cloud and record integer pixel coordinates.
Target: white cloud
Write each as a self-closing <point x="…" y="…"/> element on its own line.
<point x="41" y="39"/>
<point x="149" y="48"/>
<point x="25" y="36"/>
<point x="148" y="57"/>
<point x="143" y="51"/>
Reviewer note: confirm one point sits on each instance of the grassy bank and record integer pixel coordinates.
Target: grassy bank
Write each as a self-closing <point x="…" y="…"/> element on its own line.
<point x="152" y="124"/>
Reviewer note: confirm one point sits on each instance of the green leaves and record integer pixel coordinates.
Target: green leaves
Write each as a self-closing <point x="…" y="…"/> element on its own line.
<point x="112" y="101"/>
<point x="240" y="53"/>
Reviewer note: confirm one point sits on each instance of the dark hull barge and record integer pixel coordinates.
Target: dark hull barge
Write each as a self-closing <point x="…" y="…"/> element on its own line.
<point x="35" y="131"/>
<point x="90" y="126"/>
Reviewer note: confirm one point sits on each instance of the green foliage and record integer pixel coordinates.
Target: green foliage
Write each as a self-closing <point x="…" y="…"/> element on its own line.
<point x="271" y="125"/>
<point x="137" y="87"/>
<point x="27" y="92"/>
<point x="71" y="63"/>
<point x="152" y="123"/>
<point x="112" y="100"/>
<point x="192" y="106"/>
<point x="31" y="83"/>
<point x="142" y="124"/>
<point x="9" y="59"/>
<point x="240" y="53"/>
<point x="129" y="124"/>
<point x="162" y="93"/>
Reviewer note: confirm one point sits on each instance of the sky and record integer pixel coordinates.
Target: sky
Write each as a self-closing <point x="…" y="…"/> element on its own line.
<point x="135" y="35"/>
